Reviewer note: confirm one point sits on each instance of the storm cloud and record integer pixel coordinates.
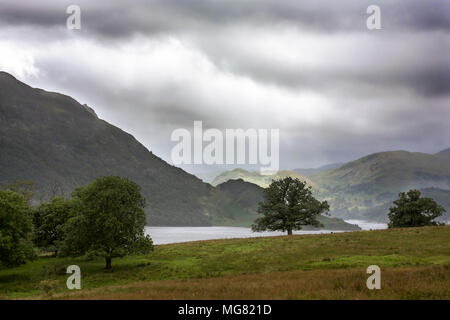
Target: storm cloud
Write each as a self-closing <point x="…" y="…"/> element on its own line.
<point x="312" y="69"/>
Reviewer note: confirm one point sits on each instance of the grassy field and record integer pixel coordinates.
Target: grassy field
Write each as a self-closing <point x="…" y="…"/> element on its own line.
<point x="415" y="264"/>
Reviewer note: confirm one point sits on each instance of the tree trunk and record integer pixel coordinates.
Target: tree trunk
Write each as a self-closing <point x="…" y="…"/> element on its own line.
<point x="289" y="232"/>
<point x="108" y="263"/>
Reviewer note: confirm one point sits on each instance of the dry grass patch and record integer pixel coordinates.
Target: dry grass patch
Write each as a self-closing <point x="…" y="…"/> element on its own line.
<point x="431" y="282"/>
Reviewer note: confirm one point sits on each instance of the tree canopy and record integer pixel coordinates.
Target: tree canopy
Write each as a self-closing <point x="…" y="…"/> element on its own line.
<point x="412" y="210"/>
<point x="108" y="220"/>
<point x="15" y="229"/>
<point x="288" y="205"/>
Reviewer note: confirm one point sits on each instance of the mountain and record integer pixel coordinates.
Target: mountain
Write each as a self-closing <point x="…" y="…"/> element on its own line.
<point x="442" y="197"/>
<point x="49" y="138"/>
<point x="262" y="180"/>
<point x="310" y="171"/>
<point x="239" y="201"/>
<point x="208" y="177"/>
<point x="445" y="152"/>
<point x="248" y="196"/>
<point x="376" y="180"/>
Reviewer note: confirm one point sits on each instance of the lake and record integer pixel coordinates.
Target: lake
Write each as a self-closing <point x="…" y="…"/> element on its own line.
<point x="164" y="235"/>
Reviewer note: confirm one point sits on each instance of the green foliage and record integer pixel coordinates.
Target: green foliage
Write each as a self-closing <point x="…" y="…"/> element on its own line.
<point x="288" y="205"/>
<point x="108" y="220"/>
<point x="15" y="229"/>
<point x="48" y="220"/>
<point x="25" y="188"/>
<point x="412" y="210"/>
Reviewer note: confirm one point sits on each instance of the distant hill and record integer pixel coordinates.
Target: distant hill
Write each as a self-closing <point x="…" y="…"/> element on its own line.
<point x="262" y="180"/>
<point x="310" y="171"/>
<point x="208" y="177"/>
<point x="377" y="179"/>
<point x="248" y="196"/>
<point x="49" y="138"/>
<point x="442" y="197"/>
<point x="445" y="152"/>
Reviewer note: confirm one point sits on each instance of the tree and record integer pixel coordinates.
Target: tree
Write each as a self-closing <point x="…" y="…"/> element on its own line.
<point x="108" y="220"/>
<point x="57" y="189"/>
<point x="15" y="230"/>
<point x="411" y="210"/>
<point x="26" y="188"/>
<point x="48" y="220"/>
<point x="288" y="205"/>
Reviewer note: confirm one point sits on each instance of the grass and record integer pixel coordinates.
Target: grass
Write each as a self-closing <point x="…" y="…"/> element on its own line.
<point x="431" y="282"/>
<point x="415" y="263"/>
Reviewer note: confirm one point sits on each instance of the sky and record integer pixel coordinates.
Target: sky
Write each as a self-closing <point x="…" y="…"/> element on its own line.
<point x="312" y="69"/>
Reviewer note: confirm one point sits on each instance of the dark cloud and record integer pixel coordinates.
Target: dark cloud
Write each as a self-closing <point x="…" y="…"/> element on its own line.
<point x="125" y="18"/>
<point x="336" y="90"/>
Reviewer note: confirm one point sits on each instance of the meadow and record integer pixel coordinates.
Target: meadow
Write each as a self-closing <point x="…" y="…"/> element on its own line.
<point x="414" y="262"/>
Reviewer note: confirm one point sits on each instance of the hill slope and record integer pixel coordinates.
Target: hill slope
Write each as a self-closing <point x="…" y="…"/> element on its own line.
<point x="50" y="138"/>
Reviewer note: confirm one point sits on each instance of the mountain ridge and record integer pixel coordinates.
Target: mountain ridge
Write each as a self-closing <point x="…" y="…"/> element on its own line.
<point x="310" y="171"/>
<point x="262" y="180"/>
<point x="376" y="179"/>
<point x="49" y="137"/>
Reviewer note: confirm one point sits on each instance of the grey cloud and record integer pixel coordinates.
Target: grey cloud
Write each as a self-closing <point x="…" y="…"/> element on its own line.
<point x="120" y="18"/>
<point x="400" y="92"/>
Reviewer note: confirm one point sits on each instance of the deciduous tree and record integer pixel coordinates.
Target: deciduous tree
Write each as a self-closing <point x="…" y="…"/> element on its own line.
<point x="288" y="205"/>
<point x="412" y="210"/>
<point x="109" y="220"/>
<point x="15" y="229"/>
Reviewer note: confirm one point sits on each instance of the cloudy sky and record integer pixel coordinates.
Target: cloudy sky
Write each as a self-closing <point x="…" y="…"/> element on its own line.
<point x="312" y="69"/>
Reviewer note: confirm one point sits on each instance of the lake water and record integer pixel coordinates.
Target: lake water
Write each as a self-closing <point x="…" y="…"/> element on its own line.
<point x="365" y="225"/>
<point x="164" y="235"/>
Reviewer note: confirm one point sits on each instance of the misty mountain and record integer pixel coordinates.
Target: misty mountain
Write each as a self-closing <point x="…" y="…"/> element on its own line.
<point x="445" y="152"/>
<point x="374" y="181"/>
<point x="310" y="171"/>
<point x="208" y="177"/>
<point x="262" y="180"/>
<point x="49" y="138"/>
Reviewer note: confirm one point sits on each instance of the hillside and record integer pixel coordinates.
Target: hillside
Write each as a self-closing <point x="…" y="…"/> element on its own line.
<point x="376" y="180"/>
<point x="50" y="138"/>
